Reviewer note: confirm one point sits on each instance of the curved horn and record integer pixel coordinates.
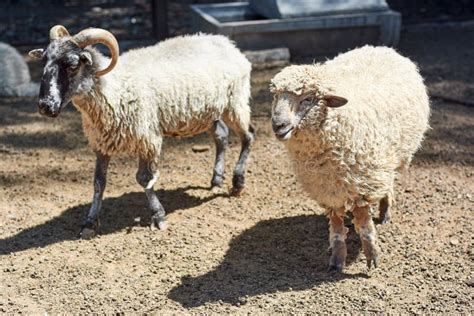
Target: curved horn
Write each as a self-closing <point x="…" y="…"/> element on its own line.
<point x="57" y="31"/>
<point x="95" y="36"/>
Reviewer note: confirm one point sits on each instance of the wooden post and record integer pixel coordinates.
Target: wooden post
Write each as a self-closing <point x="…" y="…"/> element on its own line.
<point x="159" y="11"/>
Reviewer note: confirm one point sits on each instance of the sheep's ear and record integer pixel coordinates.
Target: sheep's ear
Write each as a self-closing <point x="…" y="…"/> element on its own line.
<point x="36" y="53"/>
<point x="334" y="101"/>
<point x="86" y="57"/>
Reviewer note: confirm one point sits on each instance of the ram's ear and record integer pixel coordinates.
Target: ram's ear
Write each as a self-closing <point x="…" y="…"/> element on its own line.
<point x="334" y="101"/>
<point x="86" y="58"/>
<point x="36" y="53"/>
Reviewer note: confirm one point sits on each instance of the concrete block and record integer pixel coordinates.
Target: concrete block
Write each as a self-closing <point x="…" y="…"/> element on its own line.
<point x="310" y="35"/>
<point x="278" y="9"/>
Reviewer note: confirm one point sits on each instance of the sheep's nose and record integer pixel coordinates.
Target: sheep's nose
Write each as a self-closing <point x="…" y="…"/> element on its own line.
<point x="277" y="126"/>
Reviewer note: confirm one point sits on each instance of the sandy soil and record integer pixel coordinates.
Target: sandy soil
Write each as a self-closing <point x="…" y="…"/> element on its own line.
<point x="263" y="252"/>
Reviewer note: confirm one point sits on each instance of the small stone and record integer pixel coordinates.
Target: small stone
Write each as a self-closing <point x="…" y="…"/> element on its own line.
<point x="470" y="282"/>
<point x="454" y="242"/>
<point x="200" y="148"/>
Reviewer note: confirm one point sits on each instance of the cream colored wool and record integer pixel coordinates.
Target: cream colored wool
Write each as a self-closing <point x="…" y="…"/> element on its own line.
<point x="178" y="87"/>
<point x="351" y="155"/>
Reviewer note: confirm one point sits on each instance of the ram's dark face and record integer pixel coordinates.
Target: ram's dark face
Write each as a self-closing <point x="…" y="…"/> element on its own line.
<point x="62" y="74"/>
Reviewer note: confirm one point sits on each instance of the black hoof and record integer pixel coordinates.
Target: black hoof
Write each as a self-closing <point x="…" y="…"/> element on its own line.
<point x="373" y="262"/>
<point x="335" y="268"/>
<point x="158" y="222"/>
<point x="89" y="229"/>
<point x="238" y="184"/>
<point x="217" y="181"/>
<point x="385" y="220"/>
<point x="236" y="191"/>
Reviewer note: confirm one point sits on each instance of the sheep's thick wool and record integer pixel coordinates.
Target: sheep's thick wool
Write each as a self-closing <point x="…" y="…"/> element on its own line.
<point x="14" y="74"/>
<point x="351" y="155"/>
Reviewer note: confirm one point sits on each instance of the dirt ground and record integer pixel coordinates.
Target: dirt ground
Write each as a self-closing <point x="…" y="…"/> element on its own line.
<point x="264" y="252"/>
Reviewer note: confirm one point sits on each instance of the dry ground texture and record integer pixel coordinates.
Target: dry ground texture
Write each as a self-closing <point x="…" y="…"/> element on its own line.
<point x="263" y="252"/>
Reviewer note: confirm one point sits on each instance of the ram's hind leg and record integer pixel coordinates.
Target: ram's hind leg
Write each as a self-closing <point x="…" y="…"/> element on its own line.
<point x="337" y="240"/>
<point x="147" y="175"/>
<point x="365" y="227"/>
<point x="220" y="133"/>
<point x="247" y="135"/>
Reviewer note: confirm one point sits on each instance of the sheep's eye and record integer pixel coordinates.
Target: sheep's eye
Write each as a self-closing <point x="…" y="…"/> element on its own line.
<point x="307" y="100"/>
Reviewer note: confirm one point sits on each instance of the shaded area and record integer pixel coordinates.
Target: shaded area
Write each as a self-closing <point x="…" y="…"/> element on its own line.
<point x="117" y="213"/>
<point x="451" y="139"/>
<point x="433" y="10"/>
<point x="53" y="139"/>
<point x="443" y="62"/>
<point x="284" y="254"/>
<point x="17" y="110"/>
<point x="28" y="22"/>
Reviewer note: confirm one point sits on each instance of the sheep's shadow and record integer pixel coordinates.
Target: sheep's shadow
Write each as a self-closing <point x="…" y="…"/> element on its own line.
<point x="275" y="255"/>
<point x="117" y="213"/>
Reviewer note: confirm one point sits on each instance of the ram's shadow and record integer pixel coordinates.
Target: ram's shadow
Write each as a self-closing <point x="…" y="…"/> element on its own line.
<point x="118" y="213"/>
<point x="274" y="255"/>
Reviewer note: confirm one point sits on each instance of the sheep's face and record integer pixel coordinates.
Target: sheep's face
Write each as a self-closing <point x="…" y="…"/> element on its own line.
<point x="290" y="109"/>
<point x="66" y="72"/>
<point x="299" y="90"/>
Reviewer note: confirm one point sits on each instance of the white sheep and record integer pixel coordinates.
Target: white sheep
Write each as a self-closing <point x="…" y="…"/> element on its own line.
<point x="180" y="87"/>
<point x="14" y="74"/>
<point x="348" y="155"/>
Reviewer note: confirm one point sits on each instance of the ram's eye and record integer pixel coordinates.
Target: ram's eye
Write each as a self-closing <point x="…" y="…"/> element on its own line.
<point x="71" y="63"/>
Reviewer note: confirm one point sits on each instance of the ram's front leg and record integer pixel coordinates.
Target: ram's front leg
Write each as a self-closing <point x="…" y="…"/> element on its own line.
<point x="337" y="240"/>
<point x="147" y="175"/>
<point x="365" y="227"/>
<point x="91" y="223"/>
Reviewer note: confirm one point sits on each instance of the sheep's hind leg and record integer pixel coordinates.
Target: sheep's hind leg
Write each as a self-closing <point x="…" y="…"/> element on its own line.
<point x="385" y="207"/>
<point x="147" y="175"/>
<point x="247" y="137"/>
<point x="365" y="227"/>
<point x="91" y="223"/>
<point x="220" y="133"/>
<point x="337" y="241"/>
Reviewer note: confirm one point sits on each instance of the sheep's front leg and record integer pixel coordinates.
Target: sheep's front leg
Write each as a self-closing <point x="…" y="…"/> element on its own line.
<point x="147" y="175"/>
<point x="220" y="133"/>
<point x="365" y="227"/>
<point x="337" y="240"/>
<point x="385" y="206"/>
<point x="91" y="223"/>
